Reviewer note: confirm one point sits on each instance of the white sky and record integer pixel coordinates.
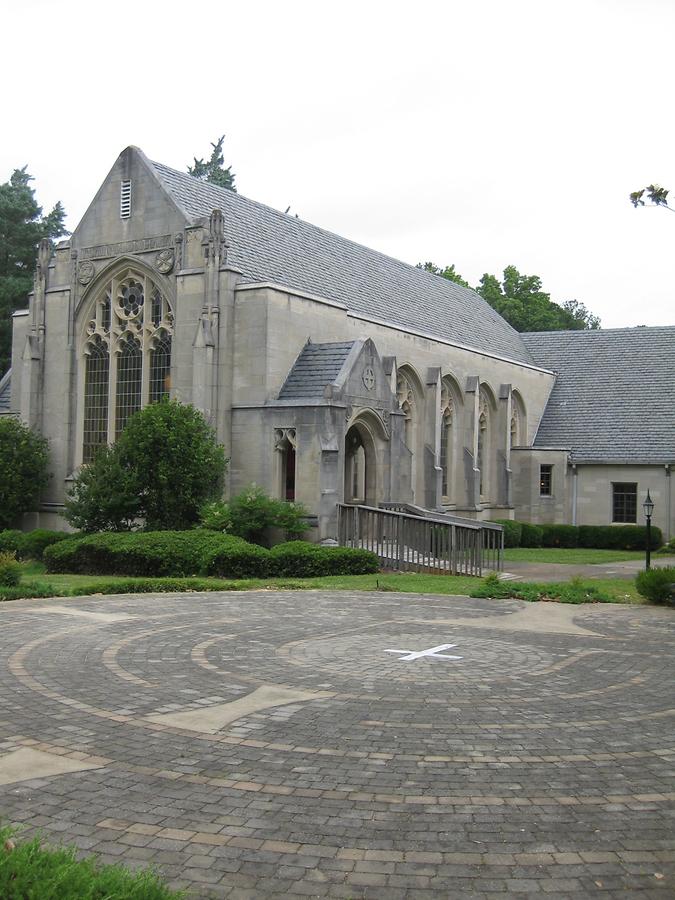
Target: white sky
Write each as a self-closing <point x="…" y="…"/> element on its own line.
<point x="479" y="133"/>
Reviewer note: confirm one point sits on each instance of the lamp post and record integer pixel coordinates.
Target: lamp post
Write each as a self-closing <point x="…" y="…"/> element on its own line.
<point x="648" y="507"/>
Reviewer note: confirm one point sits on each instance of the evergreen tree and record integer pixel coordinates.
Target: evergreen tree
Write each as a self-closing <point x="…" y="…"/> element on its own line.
<point x="213" y="170"/>
<point x="22" y="227"/>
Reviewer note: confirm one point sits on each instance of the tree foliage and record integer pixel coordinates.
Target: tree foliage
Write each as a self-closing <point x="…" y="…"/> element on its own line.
<point x="24" y="457"/>
<point x="22" y="227"/>
<point x="521" y="301"/>
<point x="655" y="194"/>
<point x="448" y="272"/>
<point x="213" y="169"/>
<point x="164" y="467"/>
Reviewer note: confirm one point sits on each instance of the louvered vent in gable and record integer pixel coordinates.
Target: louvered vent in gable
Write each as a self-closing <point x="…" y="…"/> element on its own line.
<point x="125" y="199"/>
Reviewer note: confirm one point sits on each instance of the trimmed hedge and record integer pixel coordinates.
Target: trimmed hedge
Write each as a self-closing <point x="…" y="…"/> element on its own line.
<point x="200" y="552"/>
<point x="30" y="544"/>
<point x="560" y="536"/>
<point x="303" y="560"/>
<point x="619" y="537"/>
<point x="657" y="585"/>
<point x="154" y="553"/>
<point x="236" y="558"/>
<point x="36" y="542"/>
<point x="512" y="531"/>
<point x="531" y="535"/>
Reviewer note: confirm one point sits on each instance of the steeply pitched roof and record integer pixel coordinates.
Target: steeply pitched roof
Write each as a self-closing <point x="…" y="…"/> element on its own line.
<point x="317" y="366"/>
<point x="268" y="245"/>
<point x="5" y="393"/>
<point x="614" y="395"/>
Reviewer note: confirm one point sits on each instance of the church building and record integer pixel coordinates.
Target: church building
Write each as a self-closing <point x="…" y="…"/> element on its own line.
<point x="330" y="372"/>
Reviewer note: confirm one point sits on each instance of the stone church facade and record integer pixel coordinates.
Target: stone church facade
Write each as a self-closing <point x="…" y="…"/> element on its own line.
<point x="330" y="372"/>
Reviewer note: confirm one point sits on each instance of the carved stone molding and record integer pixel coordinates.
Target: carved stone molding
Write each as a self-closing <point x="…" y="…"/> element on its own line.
<point x="164" y="262"/>
<point x="85" y="271"/>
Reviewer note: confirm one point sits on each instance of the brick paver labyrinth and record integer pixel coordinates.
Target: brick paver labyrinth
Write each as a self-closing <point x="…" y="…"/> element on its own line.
<point x="267" y="743"/>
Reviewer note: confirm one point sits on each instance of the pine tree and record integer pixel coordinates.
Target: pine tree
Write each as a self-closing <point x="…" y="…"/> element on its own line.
<point x="22" y="227"/>
<point x="213" y="170"/>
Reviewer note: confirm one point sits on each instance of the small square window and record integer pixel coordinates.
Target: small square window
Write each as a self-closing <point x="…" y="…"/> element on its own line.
<point x="545" y="481"/>
<point x="624" y="501"/>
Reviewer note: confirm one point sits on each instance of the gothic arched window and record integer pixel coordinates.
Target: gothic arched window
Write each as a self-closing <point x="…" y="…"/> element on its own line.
<point x="126" y="355"/>
<point x="406" y="401"/>
<point x="446" y="460"/>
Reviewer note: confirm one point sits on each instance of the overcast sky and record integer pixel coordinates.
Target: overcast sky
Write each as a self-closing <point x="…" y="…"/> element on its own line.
<point x="480" y="133"/>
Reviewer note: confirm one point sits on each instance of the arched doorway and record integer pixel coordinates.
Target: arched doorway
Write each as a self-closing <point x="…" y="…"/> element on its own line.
<point x="360" y="466"/>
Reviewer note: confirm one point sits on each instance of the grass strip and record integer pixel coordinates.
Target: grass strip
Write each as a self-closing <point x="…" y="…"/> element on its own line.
<point x="30" y="870"/>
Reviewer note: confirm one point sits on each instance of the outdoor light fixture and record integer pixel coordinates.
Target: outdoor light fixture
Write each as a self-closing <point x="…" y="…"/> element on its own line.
<point x="648" y="507"/>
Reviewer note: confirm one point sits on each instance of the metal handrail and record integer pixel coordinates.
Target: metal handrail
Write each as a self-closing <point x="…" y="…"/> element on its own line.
<point x="421" y="543"/>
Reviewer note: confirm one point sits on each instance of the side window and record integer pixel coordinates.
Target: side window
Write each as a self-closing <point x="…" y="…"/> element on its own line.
<point x="545" y="481"/>
<point x="624" y="501"/>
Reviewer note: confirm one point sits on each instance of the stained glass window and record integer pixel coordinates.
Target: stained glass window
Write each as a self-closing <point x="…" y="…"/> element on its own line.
<point x="126" y="356"/>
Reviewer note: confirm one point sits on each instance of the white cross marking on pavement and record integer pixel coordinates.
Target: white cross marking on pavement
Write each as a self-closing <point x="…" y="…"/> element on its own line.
<point x="435" y="652"/>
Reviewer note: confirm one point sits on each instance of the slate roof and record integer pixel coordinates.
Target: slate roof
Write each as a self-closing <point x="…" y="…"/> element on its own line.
<point x="614" y="395"/>
<point x="268" y="245"/>
<point x="5" y="393"/>
<point x="317" y="366"/>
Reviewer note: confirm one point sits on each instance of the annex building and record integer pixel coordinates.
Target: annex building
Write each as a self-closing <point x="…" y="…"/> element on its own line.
<point x="330" y="372"/>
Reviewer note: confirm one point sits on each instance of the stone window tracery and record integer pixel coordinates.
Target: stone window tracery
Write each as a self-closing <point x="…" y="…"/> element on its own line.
<point x="405" y="395"/>
<point x="127" y="356"/>
<point x="447" y="413"/>
<point x="483" y="441"/>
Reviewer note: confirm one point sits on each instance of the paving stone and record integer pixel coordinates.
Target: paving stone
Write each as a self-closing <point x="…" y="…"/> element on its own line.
<point x="539" y="764"/>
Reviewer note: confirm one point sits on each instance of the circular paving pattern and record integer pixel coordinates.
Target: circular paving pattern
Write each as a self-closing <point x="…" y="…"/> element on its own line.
<point x="347" y="745"/>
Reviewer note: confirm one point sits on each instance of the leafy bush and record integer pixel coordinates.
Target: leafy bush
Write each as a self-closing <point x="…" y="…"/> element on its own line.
<point x="236" y="558"/>
<point x="532" y="535"/>
<point x="657" y="585"/>
<point x="253" y="512"/>
<point x="36" y="542"/>
<point x="303" y="560"/>
<point x="154" y="553"/>
<point x="667" y="549"/>
<point x="619" y="537"/>
<point x="23" y="469"/>
<point x="10" y="570"/>
<point x="164" y="467"/>
<point x="560" y="536"/>
<point x="104" y="495"/>
<point x="216" y="516"/>
<point x="29" y="870"/>
<point x="512" y="532"/>
<point x="12" y="541"/>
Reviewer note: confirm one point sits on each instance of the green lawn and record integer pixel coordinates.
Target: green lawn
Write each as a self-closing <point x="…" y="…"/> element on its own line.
<point x="68" y="585"/>
<point x="574" y="556"/>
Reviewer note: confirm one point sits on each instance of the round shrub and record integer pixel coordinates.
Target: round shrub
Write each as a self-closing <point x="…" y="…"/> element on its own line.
<point x="23" y="469"/>
<point x="531" y="535"/>
<point x="12" y="541"/>
<point x="253" y="512"/>
<point x="237" y="559"/>
<point x="560" y="536"/>
<point x="10" y="570"/>
<point x="36" y="542"/>
<point x="512" y="532"/>
<point x="657" y="585"/>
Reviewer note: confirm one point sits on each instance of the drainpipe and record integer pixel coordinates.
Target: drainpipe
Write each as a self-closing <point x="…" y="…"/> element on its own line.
<point x="574" y="494"/>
